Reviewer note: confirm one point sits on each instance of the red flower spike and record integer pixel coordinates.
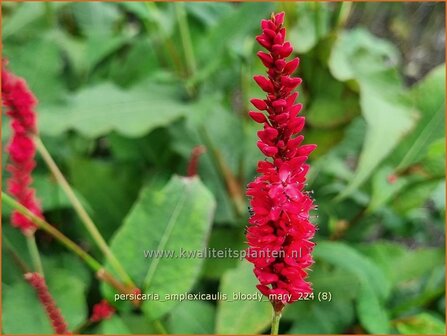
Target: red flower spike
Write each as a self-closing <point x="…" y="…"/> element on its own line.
<point x="280" y="230"/>
<point x="101" y="311"/>
<point x="20" y="103"/>
<point x="57" y="320"/>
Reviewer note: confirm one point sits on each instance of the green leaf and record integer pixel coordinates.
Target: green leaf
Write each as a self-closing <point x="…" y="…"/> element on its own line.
<point x="312" y="25"/>
<point x="44" y="80"/>
<point x="109" y="202"/>
<point x="192" y="317"/>
<point x="325" y="317"/>
<point x="414" y="196"/>
<point x="99" y="109"/>
<point x="371" y="312"/>
<point x="345" y="257"/>
<point x="357" y="55"/>
<point x="401" y="264"/>
<point x="374" y="286"/>
<point x="236" y="316"/>
<point x="234" y="26"/>
<point x="25" y="14"/>
<point x="421" y="324"/>
<point x="223" y="238"/>
<point x="429" y="96"/>
<point x="357" y="52"/>
<point x="177" y="217"/>
<point x="95" y="18"/>
<point x="209" y="12"/>
<point x="313" y="317"/>
<point x="383" y="190"/>
<point x="24" y="314"/>
<point x="113" y="326"/>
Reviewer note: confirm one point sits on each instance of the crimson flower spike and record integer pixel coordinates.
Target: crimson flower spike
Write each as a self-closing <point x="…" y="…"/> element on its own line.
<point x="20" y="103"/>
<point x="280" y="229"/>
<point x="57" y="320"/>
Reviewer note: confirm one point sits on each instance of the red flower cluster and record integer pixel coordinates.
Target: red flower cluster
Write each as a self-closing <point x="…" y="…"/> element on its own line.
<point x="280" y="230"/>
<point x="20" y="103"/>
<point x="101" y="311"/>
<point x="54" y="314"/>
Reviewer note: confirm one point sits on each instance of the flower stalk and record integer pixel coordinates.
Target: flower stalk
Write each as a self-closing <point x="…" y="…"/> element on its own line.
<point x="82" y="213"/>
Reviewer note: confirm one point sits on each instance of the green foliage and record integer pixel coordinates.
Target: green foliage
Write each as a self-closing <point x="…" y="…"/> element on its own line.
<point x="236" y="316"/>
<point x="147" y="227"/>
<point x="120" y="110"/>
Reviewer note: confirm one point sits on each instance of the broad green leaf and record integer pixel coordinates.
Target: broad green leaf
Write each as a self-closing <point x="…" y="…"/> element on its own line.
<point x="233" y="26"/>
<point x="313" y="317"/>
<point x="345" y="257"/>
<point x="325" y="317"/>
<point x="421" y="324"/>
<point x="25" y="14"/>
<point x="223" y="238"/>
<point x="113" y="326"/>
<point x="357" y="52"/>
<point x="238" y="316"/>
<point x="433" y="162"/>
<point x="209" y="12"/>
<point x="401" y="264"/>
<point x="44" y="80"/>
<point x="429" y="96"/>
<point x="109" y="202"/>
<point x="192" y="317"/>
<point x="371" y="312"/>
<point x="388" y="112"/>
<point x="99" y="109"/>
<point x="374" y="286"/>
<point x="175" y="218"/>
<point x="24" y="314"/>
<point x="95" y="18"/>
<point x="325" y="90"/>
<point x="414" y="196"/>
<point x="312" y="25"/>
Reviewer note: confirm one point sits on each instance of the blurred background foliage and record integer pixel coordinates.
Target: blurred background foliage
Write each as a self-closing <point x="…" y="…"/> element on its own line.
<point x="127" y="90"/>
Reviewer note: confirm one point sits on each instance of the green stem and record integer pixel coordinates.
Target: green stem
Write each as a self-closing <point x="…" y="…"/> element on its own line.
<point x="17" y="259"/>
<point x="82" y="213"/>
<point x="275" y="323"/>
<point x="64" y="240"/>
<point x="344" y="11"/>
<point x="159" y="327"/>
<point x="186" y="38"/>
<point x="34" y="253"/>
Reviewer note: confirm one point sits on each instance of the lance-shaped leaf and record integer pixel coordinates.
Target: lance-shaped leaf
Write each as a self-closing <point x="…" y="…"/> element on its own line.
<point x="163" y="223"/>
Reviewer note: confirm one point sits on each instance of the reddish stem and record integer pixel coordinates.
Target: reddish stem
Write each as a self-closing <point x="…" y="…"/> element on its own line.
<point x="194" y="160"/>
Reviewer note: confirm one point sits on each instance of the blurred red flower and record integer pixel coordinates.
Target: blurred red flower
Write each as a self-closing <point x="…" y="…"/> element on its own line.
<point x="101" y="311"/>
<point x="20" y="103"/>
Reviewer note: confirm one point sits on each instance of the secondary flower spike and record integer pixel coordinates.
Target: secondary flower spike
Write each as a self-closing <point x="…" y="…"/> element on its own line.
<point x="280" y="230"/>
<point x="20" y="103"/>
<point x="101" y="311"/>
<point x="54" y="314"/>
